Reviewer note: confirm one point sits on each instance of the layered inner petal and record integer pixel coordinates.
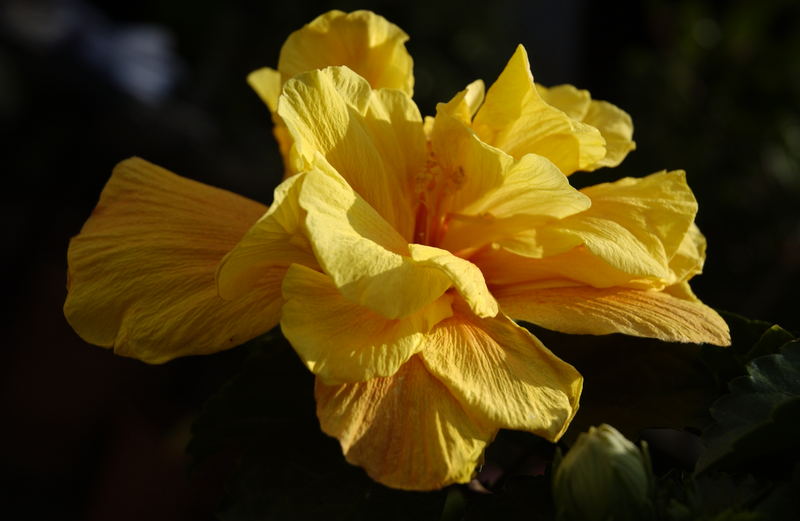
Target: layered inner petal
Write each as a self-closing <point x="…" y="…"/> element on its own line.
<point x="502" y="373"/>
<point x="532" y="193"/>
<point x="141" y="272"/>
<point x="370" y="263"/>
<point x="517" y="120"/>
<point x="407" y="431"/>
<point x="374" y="139"/>
<point x="634" y="225"/>
<point x="340" y="341"/>
<point x="363" y="41"/>
<point x="599" y="311"/>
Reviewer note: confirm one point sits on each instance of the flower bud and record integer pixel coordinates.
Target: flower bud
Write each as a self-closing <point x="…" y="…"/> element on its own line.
<point x="603" y="477"/>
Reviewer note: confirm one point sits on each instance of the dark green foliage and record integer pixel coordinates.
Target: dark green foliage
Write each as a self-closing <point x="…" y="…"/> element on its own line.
<point x="757" y="424"/>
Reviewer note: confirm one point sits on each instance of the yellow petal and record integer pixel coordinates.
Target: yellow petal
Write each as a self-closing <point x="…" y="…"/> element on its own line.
<point x="467" y="167"/>
<point x="407" y="431"/>
<point x="466" y="103"/>
<point x="616" y="127"/>
<point x="277" y="239"/>
<point x="566" y="98"/>
<point x="614" y="124"/>
<point x="634" y="225"/>
<point x="363" y="41"/>
<point x="501" y="266"/>
<point x="502" y="373"/>
<point x="585" y="310"/>
<point x="370" y="263"/>
<point x="465" y="276"/>
<point x="690" y="256"/>
<point x="340" y="341"/>
<point x="532" y="192"/>
<point x="141" y="272"/>
<point x="374" y="139"/>
<point x="267" y="84"/>
<point x="515" y="119"/>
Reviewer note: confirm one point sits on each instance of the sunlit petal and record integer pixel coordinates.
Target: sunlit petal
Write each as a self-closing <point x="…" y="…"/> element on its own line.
<point x="500" y="371"/>
<point x="374" y="139"/>
<point x="515" y="119"/>
<point x="363" y="41"/>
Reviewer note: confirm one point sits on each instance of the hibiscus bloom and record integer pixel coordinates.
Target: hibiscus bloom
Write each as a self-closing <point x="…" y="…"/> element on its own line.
<point x="397" y="251"/>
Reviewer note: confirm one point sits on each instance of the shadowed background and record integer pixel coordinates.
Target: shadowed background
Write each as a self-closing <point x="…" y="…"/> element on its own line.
<point x="713" y="88"/>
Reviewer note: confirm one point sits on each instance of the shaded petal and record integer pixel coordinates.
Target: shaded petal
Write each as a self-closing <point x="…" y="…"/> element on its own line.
<point x="407" y="431"/>
<point x="268" y="84"/>
<point x="370" y="263"/>
<point x="690" y="256"/>
<point x="614" y="124"/>
<point x="276" y="239"/>
<point x="501" y="372"/>
<point x="363" y="41"/>
<point x="585" y="310"/>
<point x="340" y="341"/>
<point x="635" y="225"/>
<point x="374" y="139"/>
<point x="517" y="120"/>
<point x="141" y="272"/>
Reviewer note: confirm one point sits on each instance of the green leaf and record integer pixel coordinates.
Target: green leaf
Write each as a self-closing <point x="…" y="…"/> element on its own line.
<point x="756" y="424"/>
<point x="749" y="339"/>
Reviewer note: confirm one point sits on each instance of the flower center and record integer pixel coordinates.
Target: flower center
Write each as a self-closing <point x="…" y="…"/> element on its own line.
<point x="435" y="186"/>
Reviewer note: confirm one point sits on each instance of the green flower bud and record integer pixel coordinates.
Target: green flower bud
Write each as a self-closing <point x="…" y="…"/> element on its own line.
<point x="603" y="477"/>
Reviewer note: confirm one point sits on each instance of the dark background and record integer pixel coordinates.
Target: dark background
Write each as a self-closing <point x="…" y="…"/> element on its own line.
<point x="713" y="88"/>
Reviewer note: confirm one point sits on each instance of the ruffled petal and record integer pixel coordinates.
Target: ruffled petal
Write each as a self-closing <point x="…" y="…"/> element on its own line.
<point x="465" y="276"/>
<point x="690" y="256"/>
<point x="517" y="120"/>
<point x="502" y="266"/>
<point x="141" y="272"/>
<point x="532" y="193"/>
<point x="614" y="124"/>
<point x="363" y="41"/>
<point x="374" y="139"/>
<point x="465" y="167"/>
<point x="501" y="372"/>
<point x="616" y="127"/>
<point x="585" y="310"/>
<point x="340" y="341"/>
<point x="370" y="263"/>
<point x="634" y="225"/>
<point x="407" y="431"/>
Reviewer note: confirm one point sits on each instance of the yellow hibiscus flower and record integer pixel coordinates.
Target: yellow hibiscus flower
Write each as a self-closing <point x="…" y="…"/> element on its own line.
<point x="396" y="252"/>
